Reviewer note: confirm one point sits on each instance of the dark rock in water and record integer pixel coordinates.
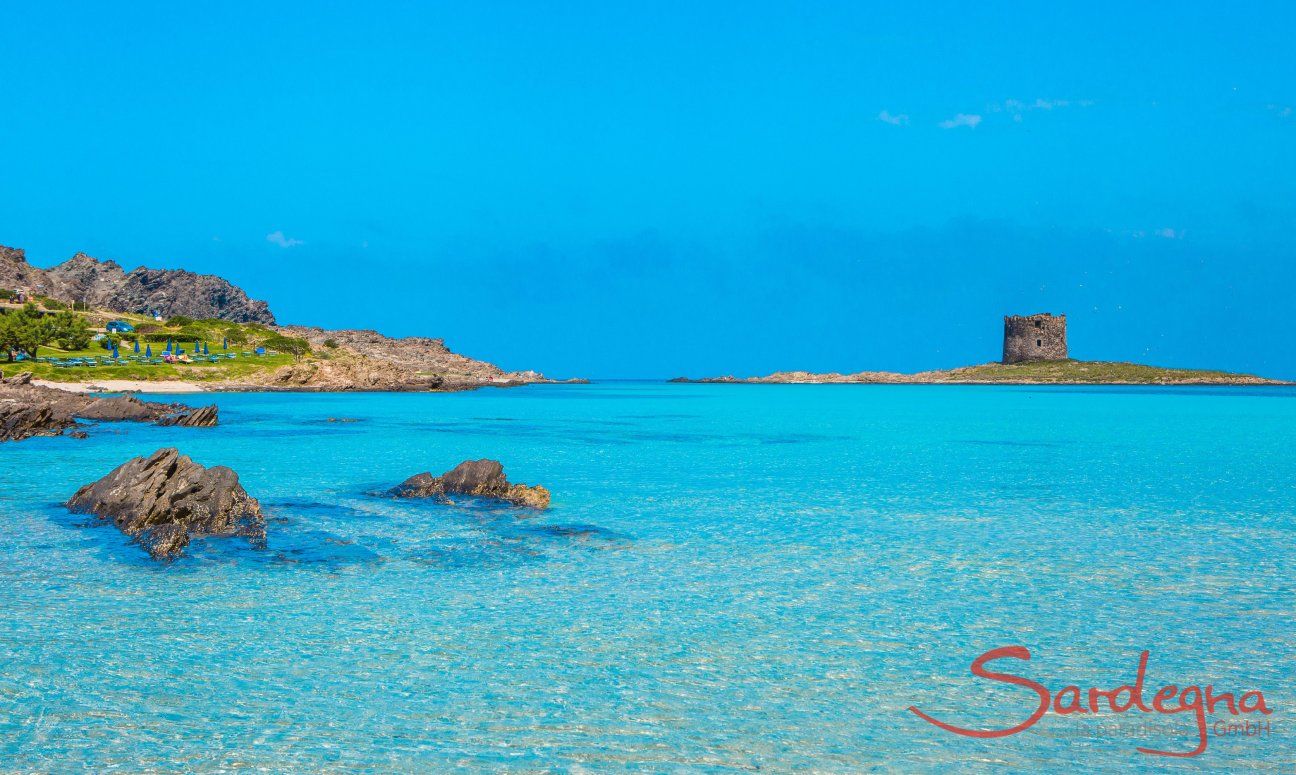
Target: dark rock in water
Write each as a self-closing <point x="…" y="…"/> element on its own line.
<point x="481" y="478"/>
<point x="165" y="499"/>
<point x="164" y="541"/>
<point x="476" y="477"/>
<point x="423" y="485"/>
<point x="119" y="409"/>
<point x="343" y="419"/>
<point x="79" y="435"/>
<point x="203" y="417"/>
<point x="20" y="421"/>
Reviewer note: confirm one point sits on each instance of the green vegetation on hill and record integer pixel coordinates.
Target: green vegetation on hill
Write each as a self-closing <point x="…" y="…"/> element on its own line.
<point x="67" y="335"/>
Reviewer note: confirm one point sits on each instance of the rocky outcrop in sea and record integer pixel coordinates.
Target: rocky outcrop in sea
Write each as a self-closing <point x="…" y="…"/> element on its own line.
<point x="479" y="478"/>
<point x="166" y="499"/>
<point x="28" y="409"/>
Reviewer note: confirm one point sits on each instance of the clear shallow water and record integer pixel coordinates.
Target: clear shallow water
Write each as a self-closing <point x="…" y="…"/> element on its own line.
<point x="732" y="577"/>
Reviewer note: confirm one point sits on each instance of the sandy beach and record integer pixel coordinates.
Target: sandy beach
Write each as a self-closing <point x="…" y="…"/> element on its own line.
<point x="125" y="386"/>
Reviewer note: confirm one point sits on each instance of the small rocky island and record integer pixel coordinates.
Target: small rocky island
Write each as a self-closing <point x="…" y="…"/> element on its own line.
<point x="28" y="409"/>
<point x="1034" y="353"/>
<point x="166" y="499"/>
<point x="478" y="478"/>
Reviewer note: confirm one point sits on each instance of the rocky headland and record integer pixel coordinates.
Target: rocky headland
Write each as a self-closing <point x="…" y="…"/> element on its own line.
<point x="358" y="359"/>
<point x="336" y="360"/>
<point x="166" y="499"/>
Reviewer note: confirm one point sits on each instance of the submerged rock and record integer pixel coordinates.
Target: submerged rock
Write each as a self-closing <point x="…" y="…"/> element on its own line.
<point x="480" y="478"/>
<point x="165" y="499"/>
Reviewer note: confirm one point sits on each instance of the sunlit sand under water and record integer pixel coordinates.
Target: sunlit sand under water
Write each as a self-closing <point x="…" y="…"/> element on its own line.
<point x="731" y="578"/>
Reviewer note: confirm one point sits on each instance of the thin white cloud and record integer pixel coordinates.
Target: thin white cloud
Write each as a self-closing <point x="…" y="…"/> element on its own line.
<point x="1163" y="232"/>
<point x="969" y="120"/>
<point x="896" y="119"/>
<point x="278" y="238"/>
<point x="1018" y="108"/>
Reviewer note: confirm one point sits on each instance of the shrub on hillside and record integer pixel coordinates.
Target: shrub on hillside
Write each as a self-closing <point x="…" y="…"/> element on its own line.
<point x="292" y="345"/>
<point x="162" y="336"/>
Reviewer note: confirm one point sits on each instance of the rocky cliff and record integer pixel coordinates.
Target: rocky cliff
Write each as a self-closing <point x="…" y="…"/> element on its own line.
<point x="106" y="285"/>
<point x="15" y="272"/>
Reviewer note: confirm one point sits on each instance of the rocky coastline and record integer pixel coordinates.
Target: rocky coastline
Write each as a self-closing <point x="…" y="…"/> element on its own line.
<point x="338" y="360"/>
<point x="28" y="409"/>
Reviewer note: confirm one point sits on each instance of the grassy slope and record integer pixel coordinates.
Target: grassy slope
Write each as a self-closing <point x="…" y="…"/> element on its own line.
<point x="213" y="331"/>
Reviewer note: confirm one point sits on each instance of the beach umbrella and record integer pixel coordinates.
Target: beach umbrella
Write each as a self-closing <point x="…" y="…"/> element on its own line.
<point x="205" y="350"/>
<point x="225" y="344"/>
<point x="168" y="347"/>
<point x="148" y="351"/>
<point x="137" y="347"/>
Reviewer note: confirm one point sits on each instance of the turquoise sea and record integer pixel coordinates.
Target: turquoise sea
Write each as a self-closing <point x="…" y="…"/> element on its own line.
<point x="731" y="578"/>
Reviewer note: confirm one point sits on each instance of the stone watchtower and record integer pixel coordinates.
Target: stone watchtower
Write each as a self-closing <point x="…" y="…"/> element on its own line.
<point x="1034" y="338"/>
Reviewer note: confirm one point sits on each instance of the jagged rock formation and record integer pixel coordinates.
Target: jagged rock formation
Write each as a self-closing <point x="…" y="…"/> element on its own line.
<point x="165" y="499"/>
<point x="28" y="410"/>
<point x="21" y="421"/>
<point x="15" y="272"/>
<point x="86" y="279"/>
<point x="104" y="284"/>
<point x="480" y="478"/>
<point x="202" y="417"/>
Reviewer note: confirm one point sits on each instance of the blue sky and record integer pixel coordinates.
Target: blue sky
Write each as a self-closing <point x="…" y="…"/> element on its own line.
<point x="645" y="190"/>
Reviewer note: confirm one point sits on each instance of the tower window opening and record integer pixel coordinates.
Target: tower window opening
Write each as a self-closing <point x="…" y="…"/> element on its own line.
<point x="1039" y="342"/>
